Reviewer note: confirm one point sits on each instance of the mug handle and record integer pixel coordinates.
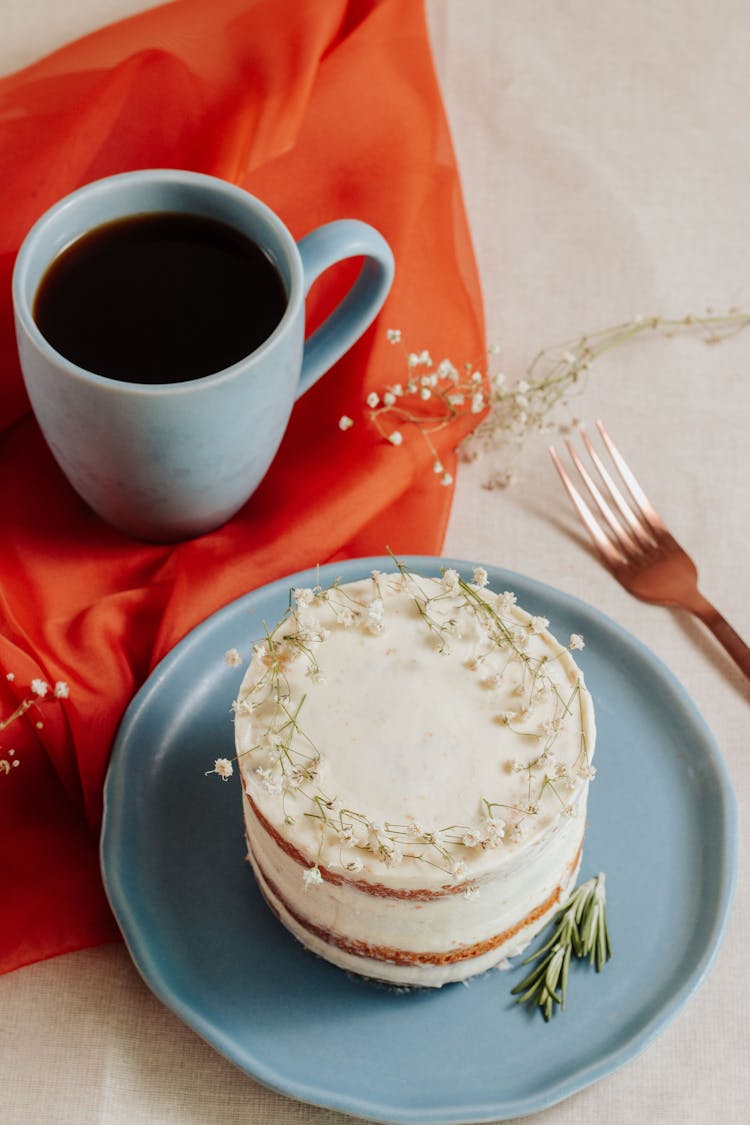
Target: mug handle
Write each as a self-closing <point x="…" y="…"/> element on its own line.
<point x="322" y="248"/>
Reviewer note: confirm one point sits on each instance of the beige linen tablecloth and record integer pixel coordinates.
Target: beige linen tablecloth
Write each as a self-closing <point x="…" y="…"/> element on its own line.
<point x="604" y="154"/>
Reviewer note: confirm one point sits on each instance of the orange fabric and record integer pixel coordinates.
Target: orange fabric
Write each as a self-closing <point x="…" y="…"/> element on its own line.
<point x="324" y="111"/>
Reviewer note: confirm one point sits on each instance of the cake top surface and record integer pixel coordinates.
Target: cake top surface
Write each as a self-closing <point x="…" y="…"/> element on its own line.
<point x="403" y="723"/>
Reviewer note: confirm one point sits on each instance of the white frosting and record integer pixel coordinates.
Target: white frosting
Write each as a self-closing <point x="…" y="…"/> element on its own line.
<point x="424" y="738"/>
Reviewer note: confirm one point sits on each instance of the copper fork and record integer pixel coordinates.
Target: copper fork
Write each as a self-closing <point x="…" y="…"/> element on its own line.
<point x="640" y="552"/>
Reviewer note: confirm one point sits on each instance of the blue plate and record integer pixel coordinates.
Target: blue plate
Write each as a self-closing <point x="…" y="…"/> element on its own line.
<point x="662" y="825"/>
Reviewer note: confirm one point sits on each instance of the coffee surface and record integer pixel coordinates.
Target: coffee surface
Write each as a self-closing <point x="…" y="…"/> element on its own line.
<point x="159" y="298"/>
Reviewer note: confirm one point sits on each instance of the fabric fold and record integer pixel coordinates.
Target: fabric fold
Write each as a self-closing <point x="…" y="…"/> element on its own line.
<point x="324" y="111"/>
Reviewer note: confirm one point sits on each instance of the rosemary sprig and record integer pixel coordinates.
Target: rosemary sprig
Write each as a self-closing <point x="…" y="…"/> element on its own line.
<point x="581" y="931"/>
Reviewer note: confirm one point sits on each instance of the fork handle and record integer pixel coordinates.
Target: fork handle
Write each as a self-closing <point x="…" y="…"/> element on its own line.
<point x="724" y="633"/>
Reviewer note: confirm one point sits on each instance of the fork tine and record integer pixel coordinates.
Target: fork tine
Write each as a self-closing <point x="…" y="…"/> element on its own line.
<point x="645" y="506"/>
<point x="606" y="548"/>
<point x="624" y="538"/>
<point x="639" y="531"/>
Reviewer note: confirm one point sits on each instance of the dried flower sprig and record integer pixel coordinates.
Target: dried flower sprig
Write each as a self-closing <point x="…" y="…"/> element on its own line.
<point x="431" y="396"/>
<point x="38" y="690"/>
<point x="434" y="395"/>
<point x="520" y="407"/>
<point x="580" y="930"/>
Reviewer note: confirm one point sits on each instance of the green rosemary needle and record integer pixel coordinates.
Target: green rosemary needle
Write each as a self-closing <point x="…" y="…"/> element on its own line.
<point x="580" y="930"/>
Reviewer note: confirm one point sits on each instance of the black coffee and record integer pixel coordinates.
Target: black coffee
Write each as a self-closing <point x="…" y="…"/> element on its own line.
<point x="159" y="298"/>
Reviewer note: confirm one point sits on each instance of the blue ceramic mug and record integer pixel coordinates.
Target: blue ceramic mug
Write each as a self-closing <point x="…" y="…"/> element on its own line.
<point x="173" y="460"/>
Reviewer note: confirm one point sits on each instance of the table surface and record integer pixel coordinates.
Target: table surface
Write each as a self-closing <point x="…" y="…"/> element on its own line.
<point x="605" y="166"/>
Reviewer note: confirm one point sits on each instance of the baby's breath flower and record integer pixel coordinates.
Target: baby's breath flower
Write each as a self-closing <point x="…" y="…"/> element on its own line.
<point x="232" y="657"/>
<point x="61" y="691"/>
<point x="450" y="581"/>
<point x="493" y="832"/>
<point x="446" y="479"/>
<point x="393" y="335"/>
<point x="576" y="641"/>
<point x="223" y="767"/>
<point x="10" y="677"/>
<point x="515" y="835"/>
<point x="481" y="578"/>
<point x="311" y="877"/>
<point x="39" y="688"/>
<point x="538" y="624"/>
<point x="345" y="422"/>
<point x="343" y="615"/>
<point x="395" y="437"/>
<point x="459" y="870"/>
<point x="373" y="400"/>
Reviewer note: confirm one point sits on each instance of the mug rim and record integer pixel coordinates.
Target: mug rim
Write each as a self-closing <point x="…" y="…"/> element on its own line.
<point x="23" y="306"/>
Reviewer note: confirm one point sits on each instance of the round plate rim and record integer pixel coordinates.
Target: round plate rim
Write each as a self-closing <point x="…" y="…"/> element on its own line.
<point x="138" y="946"/>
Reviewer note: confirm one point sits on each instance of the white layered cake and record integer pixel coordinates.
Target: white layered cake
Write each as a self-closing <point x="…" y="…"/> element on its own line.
<point x="415" y="756"/>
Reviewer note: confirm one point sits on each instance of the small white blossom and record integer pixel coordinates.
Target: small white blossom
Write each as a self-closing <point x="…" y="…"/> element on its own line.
<point x="493" y="832"/>
<point x="39" y="687"/>
<point x="471" y="839"/>
<point x="576" y="641"/>
<point x="311" y="877"/>
<point x="450" y="581"/>
<point x="446" y="479"/>
<point x="395" y="437"/>
<point x="425" y="393"/>
<point x="372" y="400"/>
<point x="538" y="624"/>
<point x="389" y="398"/>
<point x="391" y="853"/>
<point x="477" y="402"/>
<point x="345" y="422"/>
<point x="10" y="677"/>
<point x="232" y="657"/>
<point x="459" y="870"/>
<point x="506" y="602"/>
<point x="481" y="578"/>
<point x="62" y="691"/>
<point x="343" y="615"/>
<point x="446" y="370"/>
<point x="223" y="767"/>
<point x="393" y="335"/>
<point x="354" y="864"/>
<point x="303" y="598"/>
